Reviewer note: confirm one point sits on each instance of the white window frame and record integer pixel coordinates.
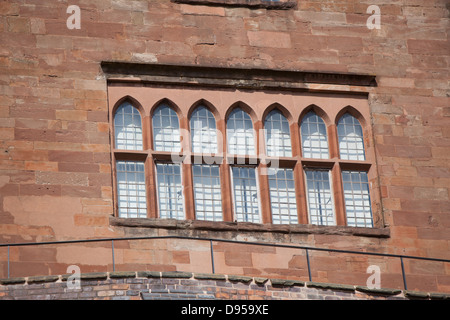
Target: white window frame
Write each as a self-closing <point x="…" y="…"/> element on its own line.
<point x="136" y="144"/>
<point x="257" y="194"/>
<point x="293" y="218"/>
<point x="360" y="153"/>
<point x="160" y="144"/>
<point x="278" y="150"/>
<point x="250" y="149"/>
<point x="204" y="216"/>
<point x="331" y="196"/>
<point x="308" y="138"/>
<point x="157" y="190"/>
<point x="212" y="144"/>
<point x="369" y="212"/>
<point x="145" y="209"/>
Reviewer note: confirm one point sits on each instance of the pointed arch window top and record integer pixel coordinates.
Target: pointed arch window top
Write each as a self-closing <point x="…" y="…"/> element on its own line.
<point x="278" y="138"/>
<point x="351" y="142"/>
<point x="166" y="129"/>
<point x="240" y="135"/>
<point x="314" y="137"/>
<point x="128" y="128"/>
<point x="203" y="131"/>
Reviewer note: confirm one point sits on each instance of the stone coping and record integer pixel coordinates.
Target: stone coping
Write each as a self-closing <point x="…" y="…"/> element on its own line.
<point x="259" y="281"/>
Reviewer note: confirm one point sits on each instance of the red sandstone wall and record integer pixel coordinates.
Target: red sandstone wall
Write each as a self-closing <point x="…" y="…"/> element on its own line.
<point x="55" y="170"/>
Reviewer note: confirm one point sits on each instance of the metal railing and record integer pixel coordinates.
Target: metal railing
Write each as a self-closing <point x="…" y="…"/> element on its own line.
<point x="211" y="240"/>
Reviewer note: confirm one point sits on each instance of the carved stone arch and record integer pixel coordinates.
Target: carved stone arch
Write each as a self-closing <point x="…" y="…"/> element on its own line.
<point x="317" y="110"/>
<point x="354" y="112"/>
<point x="133" y="101"/>
<point x="245" y="107"/>
<point x="276" y="106"/>
<point x="169" y="103"/>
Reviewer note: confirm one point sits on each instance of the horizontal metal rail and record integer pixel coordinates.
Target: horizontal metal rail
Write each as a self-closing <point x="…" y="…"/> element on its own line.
<point x="211" y="240"/>
<point x="223" y="240"/>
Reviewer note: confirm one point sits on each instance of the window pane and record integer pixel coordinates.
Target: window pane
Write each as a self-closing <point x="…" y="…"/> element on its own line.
<point x="357" y="199"/>
<point x="282" y="197"/>
<point x="351" y="144"/>
<point x="128" y="128"/>
<point x="170" y="194"/>
<point x="131" y="189"/>
<point x="240" y="133"/>
<point x="208" y="203"/>
<point x="166" y="129"/>
<point x="278" y="139"/>
<point x="203" y="131"/>
<point x="319" y="193"/>
<point x="245" y="190"/>
<point x="314" y="137"/>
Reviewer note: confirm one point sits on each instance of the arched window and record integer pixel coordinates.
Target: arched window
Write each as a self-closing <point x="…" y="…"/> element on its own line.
<point x="128" y="128"/>
<point x="203" y="131"/>
<point x="314" y="137"/>
<point x="240" y="135"/>
<point x="351" y="144"/>
<point x="278" y="138"/>
<point x="166" y="129"/>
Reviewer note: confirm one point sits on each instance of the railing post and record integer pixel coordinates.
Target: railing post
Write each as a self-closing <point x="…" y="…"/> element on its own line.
<point x="212" y="256"/>
<point x="8" y="262"/>
<point x="403" y="273"/>
<point x="307" y="262"/>
<point x="112" y="251"/>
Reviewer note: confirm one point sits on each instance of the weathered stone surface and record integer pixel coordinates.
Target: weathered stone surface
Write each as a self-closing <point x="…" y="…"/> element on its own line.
<point x="176" y="274"/>
<point x="40" y="279"/>
<point x="9" y="281"/>
<point x="94" y="276"/>
<point x="234" y="278"/>
<point x="209" y="276"/>
<point x="417" y="294"/>
<point x="122" y="274"/>
<point x="331" y="286"/>
<point x="287" y="283"/>
<point x="382" y="291"/>
<point x="148" y="274"/>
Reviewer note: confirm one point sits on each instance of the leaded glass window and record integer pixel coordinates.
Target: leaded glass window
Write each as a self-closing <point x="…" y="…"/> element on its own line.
<point x="128" y="128"/>
<point x="245" y="193"/>
<point x="351" y="144"/>
<point x="131" y="189"/>
<point x="320" y="201"/>
<point x="282" y="197"/>
<point x="203" y="131"/>
<point x="240" y="135"/>
<point x="166" y="129"/>
<point x="357" y="199"/>
<point x="170" y="192"/>
<point x="314" y="137"/>
<point x="278" y="138"/>
<point x="207" y="192"/>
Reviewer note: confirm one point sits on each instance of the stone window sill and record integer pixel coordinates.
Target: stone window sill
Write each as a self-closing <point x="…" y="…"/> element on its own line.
<point x="255" y="4"/>
<point x="247" y="228"/>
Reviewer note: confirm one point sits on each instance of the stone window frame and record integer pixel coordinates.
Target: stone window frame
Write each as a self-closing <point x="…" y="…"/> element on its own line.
<point x="336" y="166"/>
